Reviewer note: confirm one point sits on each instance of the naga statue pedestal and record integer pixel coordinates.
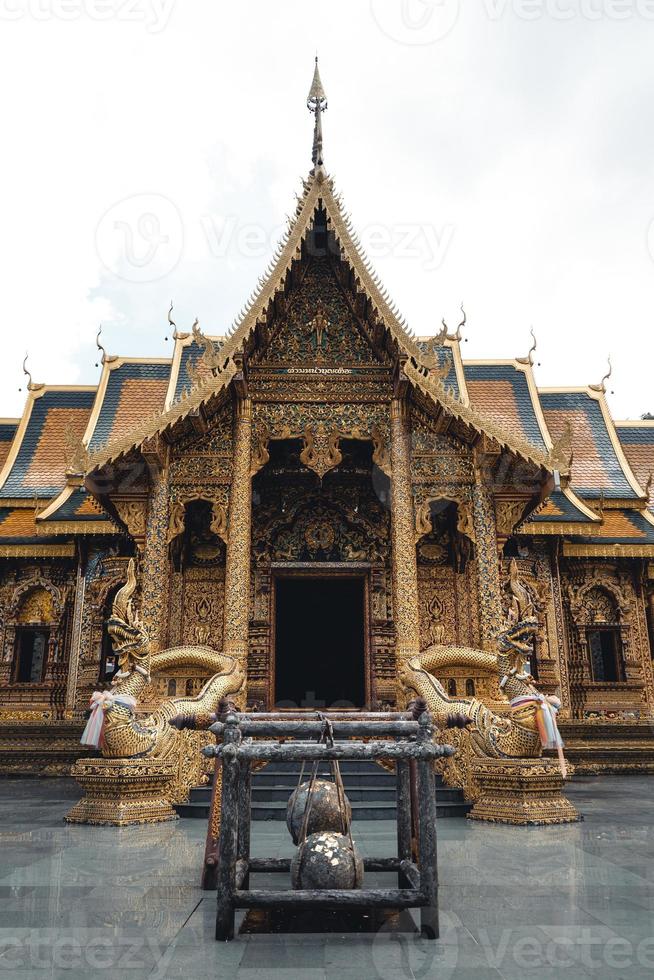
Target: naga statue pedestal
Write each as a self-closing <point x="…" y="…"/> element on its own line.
<point x="523" y="792"/>
<point x="119" y="792"/>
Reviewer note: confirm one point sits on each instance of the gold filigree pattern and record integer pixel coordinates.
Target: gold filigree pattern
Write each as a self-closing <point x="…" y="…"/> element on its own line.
<point x="320" y="452"/>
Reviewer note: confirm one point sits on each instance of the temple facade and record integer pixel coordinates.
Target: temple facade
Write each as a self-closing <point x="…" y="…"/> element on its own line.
<point x="321" y="494"/>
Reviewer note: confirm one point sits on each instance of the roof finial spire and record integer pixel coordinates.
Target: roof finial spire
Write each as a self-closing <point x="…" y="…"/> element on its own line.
<point x="317" y="103"/>
<point x="529" y="359"/>
<point x="31" y="385"/>
<point x="601" y="387"/>
<point x="27" y="374"/>
<point x="99" y="346"/>
<point x="172" y="323"/>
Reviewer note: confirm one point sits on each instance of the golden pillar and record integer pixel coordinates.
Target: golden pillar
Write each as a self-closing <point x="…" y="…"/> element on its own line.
<point x="405" y="566"/>
<point x="73" y="660"/>
<point x="155" y="566"/>
<point x="237" y="572"/>
<point x="488" y="566"/>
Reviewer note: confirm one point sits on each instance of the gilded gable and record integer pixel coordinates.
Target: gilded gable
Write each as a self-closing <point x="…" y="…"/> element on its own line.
<point x="318" y="327"/>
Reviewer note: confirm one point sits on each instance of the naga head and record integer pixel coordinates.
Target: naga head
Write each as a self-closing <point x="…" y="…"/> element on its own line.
<point x="128" y="635"/>
<point x="522" y="623"/>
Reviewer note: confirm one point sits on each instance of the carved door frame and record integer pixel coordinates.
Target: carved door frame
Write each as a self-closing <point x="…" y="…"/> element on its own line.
<point x="305" y="570"/>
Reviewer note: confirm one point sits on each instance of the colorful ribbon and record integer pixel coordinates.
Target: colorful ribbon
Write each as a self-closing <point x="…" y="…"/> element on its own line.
<point x="93" y="734"/>
<point x="547" y="709"/>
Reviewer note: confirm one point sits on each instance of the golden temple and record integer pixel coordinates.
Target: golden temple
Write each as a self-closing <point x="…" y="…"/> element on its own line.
<point x="332" y="504"/>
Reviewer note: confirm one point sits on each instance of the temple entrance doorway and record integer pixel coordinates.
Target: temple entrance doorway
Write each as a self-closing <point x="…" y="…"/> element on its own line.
<point x="320" y="642"/>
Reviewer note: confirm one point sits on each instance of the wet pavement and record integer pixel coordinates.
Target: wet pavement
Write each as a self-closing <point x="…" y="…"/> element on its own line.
<point x="572" y="901"/>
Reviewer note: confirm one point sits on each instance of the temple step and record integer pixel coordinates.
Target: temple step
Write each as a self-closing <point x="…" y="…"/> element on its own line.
<point x="369" y="787"/>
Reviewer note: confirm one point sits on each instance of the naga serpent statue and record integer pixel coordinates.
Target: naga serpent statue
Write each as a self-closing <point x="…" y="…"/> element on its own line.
<point x="113" y="726"/>
<point x="531" y="723"/>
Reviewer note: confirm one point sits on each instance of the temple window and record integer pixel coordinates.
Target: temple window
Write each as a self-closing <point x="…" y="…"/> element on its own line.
<point x="606" y="654"/>
<point x="451" y="687"/>
<point x="31" y="651"/>
<point x="604" y="636"/>
<point x="35" y="616"/>
<point x="470" y="688"/>
<point x="172" y="688"/>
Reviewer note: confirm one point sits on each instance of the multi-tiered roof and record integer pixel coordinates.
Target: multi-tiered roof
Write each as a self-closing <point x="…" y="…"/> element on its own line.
<point x="600" y="501"/>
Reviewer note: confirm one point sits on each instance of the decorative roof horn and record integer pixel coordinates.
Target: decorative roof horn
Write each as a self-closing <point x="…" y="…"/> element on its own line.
<point x="529" y="359"/>
<point x="31" y="385"/>
<point x="601" y="387"/>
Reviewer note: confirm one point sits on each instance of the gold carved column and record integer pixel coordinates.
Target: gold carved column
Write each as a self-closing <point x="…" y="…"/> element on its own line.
<point x="155" y="567"/>
<point x="405" y="566"/>
<point x="73" y="659"/>
<point x="237" y="572"/>
<point x="488" y="565"/>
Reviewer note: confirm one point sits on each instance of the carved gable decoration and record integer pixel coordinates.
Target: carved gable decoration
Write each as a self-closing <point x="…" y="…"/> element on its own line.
<point x="37" y="607"/>
<point x="36" y="599"/>
<point x="599" y="599"/>
<point x="326" y="526"/>
<point x="317" y="326"/>
<point x="320" y="452"/>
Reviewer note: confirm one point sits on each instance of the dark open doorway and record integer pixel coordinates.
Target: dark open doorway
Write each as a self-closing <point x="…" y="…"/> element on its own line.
<point x="319" y="642"/>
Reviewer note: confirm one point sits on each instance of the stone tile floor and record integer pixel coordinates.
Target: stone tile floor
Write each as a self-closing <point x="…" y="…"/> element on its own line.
<point x="573" y="902"/>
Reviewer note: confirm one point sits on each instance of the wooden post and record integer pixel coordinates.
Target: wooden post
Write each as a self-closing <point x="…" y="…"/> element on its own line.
<point x="244" y="816"/>
<point x="226" y="871"/>
<point x="403" y="818"/>
<point x="209" y="869"/>
<point x="427" y="836"/>
<point x="313" y="729"/>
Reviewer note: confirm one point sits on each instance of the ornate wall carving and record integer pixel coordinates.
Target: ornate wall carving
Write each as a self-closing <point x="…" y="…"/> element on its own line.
<point x="302" y="522"/>
<point x="155" y="565"/>
<point x="488" y="567"/>
<point x="36" y="595"/>
<point x="317" y="325"/>
<point x="237" y="573"/>
<point x="202" y="462"/>
<point x="405" y="571"/>
<point x="607" y="594"/>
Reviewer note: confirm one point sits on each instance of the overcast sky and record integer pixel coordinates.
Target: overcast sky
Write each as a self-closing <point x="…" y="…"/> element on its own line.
<point x="501" y="154"/>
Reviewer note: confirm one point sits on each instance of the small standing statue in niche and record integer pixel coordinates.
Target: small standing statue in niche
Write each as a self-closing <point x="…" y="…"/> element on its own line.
<point x="319" y="327"/>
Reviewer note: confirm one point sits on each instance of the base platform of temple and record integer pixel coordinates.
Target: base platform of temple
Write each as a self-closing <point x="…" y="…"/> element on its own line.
<point x="574" y="900"/>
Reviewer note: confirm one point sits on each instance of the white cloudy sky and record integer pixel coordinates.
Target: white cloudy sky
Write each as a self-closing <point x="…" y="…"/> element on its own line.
<point x="502" y="154"/>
